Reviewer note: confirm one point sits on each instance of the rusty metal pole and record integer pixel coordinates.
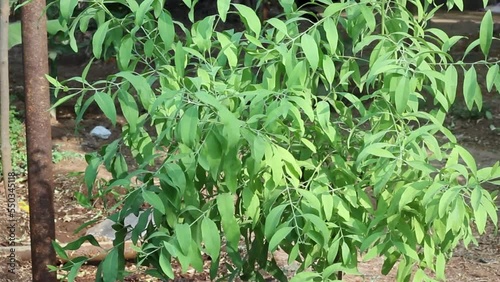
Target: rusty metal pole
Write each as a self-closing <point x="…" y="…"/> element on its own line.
<point x="39" y="141"/>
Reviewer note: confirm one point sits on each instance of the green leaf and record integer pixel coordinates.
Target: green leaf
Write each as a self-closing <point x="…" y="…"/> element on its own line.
<point x="211" y="238"/>
<point x="389" y="262"/>
<point x="278" y="236"/>
<point x="279" y="25"/>
<point x="333" y="250"/>
<point x="183" y="234"/>
<point x="153" y="199"/>
<point x="469" y="87"/>
<point x="327" y="203"/>
<point x="276" y="165"/>
<point x="310" y="49"/>
<point x="492" y="75"/>
<point x="367" y="243"/>
<point x="486" y="33"/>
<point x="448" y="197"/>
<point x="75" y="268"/>
<point x="67" y="7"/>
<point x="342" y="208"/>
<point x="91" y="172"/>
<point x="211" y="154"/>
<point x="166" y="30"/>
<point x="129" y="109"/>
<point x="330" y="270"/>
<point x="86" y="69"/>
<point x="429" y="251"/>
<point x="311" y="199"/>
<point x="334" y="8"/>
<point x="107" y="105"/>
<point x="329" y="70"/>
<point x="253" y="40"/>
<point x="188" y="126"/>
<point x="158" y="6"/>
<point x="308" y="144"/>
<point x="368" y="16"/>
<point x="402" y="94"/>
<point x="406" y="250"/>
<point x="195" y="257"/>
<point x="188" y="3"/>
<point x="332" y="35"/>
<point x="490" y="207"/>
<point x="176" y="176"/>
<point x="319" y="225"/>
<point x="470" y="47"/>
<point x="98" y="39"/>
<point x="272" y="220"/>
<point x="297" y="74"/>
<point x="305" y="276"/>
<point x="294" y="253"/>
<point x="419" y="230"/>
<point x="382" y="65"/>
<point x="250" y="17"/>
<point x="110" y="264"/>
<point x="408" y="195"/>
<point x="225" y="205"/>
<point x="253" y="209"/>
<point x="141" y="12"/>
<point x="120" y="168"/>
<point x="293" y="166"/>
<point x="142" y="86"/>
<point x="480" y="217"/>
<point x="125" y="51"/>
<point x="228" y="49"/>
<point x="376" y="149"/>
<point x="420" y="276"/>
<point x="53" y="81"/>
<point x="440" y="266"/>
<point x="258" y="148"/>
<point x="15" y="34"/>
<point x="468" y="158"/>
<point x="456" y="217"/>
<point x="277" y="113"/>
<point x="451" y="84"/>
<point x="170" y="249"/>
<point x="165" y="264"/>
<point x="345" y="253"/>
<point x="180" y="59"/>
<point x="223" y="8"/>
<point x="460" y="6"/>
<point x="60" y="250"/>
<point x="149" y="47"/>
<point x="323" y="116"/>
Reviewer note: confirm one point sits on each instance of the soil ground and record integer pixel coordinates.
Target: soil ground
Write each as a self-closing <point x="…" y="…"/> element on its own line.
<point x="477" y="133"/>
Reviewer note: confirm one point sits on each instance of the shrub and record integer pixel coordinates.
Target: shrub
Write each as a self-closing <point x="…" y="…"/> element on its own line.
<point x="302" y="136"/>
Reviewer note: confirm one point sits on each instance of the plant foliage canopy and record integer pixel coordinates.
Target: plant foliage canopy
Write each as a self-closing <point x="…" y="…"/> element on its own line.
<point x="304" y="136"/>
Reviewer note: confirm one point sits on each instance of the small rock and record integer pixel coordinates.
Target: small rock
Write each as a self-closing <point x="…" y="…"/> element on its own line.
<point x="105" y="228"/>
<point x="495" y="8"/>
<point x="100" y="132"/>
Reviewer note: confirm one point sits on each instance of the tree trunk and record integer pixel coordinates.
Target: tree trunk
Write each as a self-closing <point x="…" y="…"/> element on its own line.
<point x="4" y="98"/>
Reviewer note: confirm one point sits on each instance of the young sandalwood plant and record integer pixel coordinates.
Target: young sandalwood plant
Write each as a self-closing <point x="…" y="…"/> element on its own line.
<point x="307" y="137"/>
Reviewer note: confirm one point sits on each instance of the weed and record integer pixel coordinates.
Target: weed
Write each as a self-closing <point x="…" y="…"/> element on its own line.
<point x="58" y="155"/>
<point x="17" y="142"/>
